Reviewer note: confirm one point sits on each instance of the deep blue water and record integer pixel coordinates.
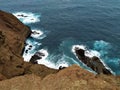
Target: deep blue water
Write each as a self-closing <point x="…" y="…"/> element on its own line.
<point x="93" y="23"/>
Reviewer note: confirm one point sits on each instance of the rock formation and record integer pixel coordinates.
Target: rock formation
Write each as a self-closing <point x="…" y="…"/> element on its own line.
<point x="36" y="56"/>
<point x="94" y="63"/>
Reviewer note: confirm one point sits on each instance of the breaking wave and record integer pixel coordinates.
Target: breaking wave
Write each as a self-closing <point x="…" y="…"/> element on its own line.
<point x="88" y="53"/>
<point x="27" y="17"/>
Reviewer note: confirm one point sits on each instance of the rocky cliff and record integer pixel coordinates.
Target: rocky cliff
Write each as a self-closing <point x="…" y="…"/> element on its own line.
<point x="13" y="34"/>
<point x="15" y="74"/>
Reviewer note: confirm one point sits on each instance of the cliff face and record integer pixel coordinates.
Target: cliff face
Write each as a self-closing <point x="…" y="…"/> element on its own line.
<point x="22" y="75"/>
<point x="12" y="37"/>
<point x="13" y="34"/>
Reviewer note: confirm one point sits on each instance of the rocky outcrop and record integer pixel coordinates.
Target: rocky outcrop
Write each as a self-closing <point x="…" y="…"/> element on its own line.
<point x="94" y="63"/>
<point x="36" y="56"/>
<point x="71" y="78"/>
<point x="13" y="34"/>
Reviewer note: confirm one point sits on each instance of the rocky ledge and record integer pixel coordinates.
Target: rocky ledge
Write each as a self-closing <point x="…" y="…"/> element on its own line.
<point x="15" y="74"/>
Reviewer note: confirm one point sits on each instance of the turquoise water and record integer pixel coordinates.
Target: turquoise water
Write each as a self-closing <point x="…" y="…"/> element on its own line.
<point x="64" y="23"/>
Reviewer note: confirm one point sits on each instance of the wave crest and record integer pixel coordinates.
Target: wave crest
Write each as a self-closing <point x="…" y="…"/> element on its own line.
<point x="27" y="17"/>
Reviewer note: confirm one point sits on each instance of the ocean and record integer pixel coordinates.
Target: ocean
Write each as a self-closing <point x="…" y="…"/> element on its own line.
<point x="59" y="25"/>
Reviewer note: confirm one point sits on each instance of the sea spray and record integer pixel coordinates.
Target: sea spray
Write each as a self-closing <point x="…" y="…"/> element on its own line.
<point x="27" y="17"/>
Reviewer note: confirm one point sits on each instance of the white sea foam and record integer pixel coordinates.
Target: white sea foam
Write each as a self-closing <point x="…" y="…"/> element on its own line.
<point x="45" y="61"/>
<point x="30" y="48"/>
<point x="27" y="17"/>
<point x="63" y="61"/>
<point x="89" y="53"/>
<point x="27" y="56"/>
<point x="45" y="52"/>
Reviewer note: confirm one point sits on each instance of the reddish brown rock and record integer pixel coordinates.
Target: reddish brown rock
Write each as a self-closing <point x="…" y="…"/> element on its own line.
<point x="13" y="34"/>
<point x="71" y="78"/>
<point x="40" y="70"/>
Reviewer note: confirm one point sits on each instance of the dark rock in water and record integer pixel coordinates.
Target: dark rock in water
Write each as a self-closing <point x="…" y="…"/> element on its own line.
<point x="22" y="15"/>
<point x="81" y="52"/>
<point x="61" y="67"/>
<point x="94" y="63"/>
<point x="30" y="46"/>
<point x="36" y="56"/>
<point x="26" y="51"/>
<point x="32" y="19"/>
<point x="35" y="32"/>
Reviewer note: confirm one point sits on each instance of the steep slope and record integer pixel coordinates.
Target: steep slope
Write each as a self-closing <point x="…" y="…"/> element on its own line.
<point x="13" y="34"/>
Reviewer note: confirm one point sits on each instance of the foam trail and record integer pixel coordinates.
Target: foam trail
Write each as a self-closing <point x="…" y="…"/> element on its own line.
<point x="45" y="61"/>
<point x="27" y="18"/>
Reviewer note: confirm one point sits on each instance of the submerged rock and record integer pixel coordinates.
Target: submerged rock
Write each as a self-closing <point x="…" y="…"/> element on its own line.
<point x="94" y="63"/>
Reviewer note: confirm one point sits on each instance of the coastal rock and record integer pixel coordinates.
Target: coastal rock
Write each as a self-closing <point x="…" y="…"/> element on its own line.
<point x="94" y="63"/>
<point x="36" y="56"/>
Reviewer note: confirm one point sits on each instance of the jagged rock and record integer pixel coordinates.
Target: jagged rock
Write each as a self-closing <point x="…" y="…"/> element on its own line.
<point x="36" y="56"/>
<point x="94" y="63"/>
<point x="61" y="67"/>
